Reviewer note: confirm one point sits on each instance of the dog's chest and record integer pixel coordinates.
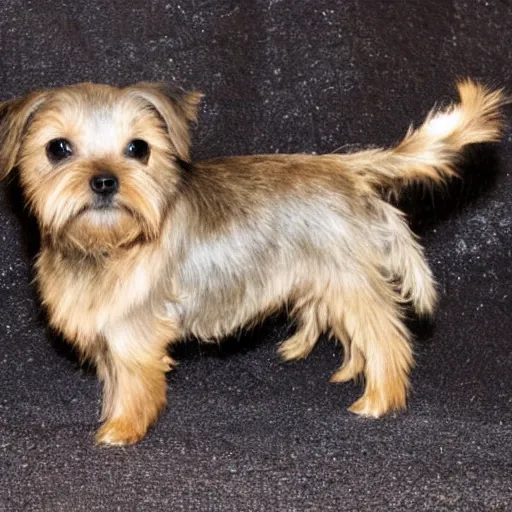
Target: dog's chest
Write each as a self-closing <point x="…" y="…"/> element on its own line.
<point x="83" y="300"/>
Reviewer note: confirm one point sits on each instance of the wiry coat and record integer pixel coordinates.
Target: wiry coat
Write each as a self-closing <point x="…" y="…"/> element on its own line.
<point x="203" y="249"/>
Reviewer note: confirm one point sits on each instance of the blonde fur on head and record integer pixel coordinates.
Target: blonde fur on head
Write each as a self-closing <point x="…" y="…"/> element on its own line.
<point x="142" y="248"/>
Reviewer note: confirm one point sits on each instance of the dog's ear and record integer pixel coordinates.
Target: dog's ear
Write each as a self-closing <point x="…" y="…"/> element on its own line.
<point x="15" y="116"/>
<point x="176" y="107"/>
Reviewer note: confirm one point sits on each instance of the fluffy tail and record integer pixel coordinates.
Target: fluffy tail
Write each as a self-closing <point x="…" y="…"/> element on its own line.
<point x="429" y="154"/>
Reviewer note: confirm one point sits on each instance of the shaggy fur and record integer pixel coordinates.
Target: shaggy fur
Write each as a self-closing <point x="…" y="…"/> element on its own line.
<point x="202" y="249"/>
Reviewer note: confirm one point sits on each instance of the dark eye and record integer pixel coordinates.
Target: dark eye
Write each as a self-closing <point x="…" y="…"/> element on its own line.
<point x="138" y="149"/>
<point x="59" y="149"/>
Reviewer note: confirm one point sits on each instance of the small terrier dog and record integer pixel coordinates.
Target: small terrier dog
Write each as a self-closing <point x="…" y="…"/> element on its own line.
<point x="141" y="248"/>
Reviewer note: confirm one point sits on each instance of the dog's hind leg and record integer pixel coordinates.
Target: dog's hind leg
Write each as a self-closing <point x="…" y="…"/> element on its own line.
<point x="311" y="322"/>
<point x="380" y="345"/>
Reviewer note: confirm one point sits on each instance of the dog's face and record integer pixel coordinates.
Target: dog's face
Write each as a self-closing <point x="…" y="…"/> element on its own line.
<point x="99" y="165"/>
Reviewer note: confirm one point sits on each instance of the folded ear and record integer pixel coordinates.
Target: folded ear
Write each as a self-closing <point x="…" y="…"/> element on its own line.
<point x="15" y="115"/>
<point x="176" y="107"/>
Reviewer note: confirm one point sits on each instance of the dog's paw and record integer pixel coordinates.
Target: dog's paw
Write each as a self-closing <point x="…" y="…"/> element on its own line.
<point x="118" y="432"/>
<point x="295" y="348"/>
<point x="349" y="371"/>
<point x="367" y="408"/>
<point x="345" y="373"/>
<point x="375" y="405"/>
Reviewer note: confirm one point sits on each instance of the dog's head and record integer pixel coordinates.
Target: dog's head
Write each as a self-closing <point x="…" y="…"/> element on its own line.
<point x="99" y="165"/>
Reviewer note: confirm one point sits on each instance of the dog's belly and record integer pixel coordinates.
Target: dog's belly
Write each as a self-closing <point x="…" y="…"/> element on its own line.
<point x="217" y="307"/>
<point x="230" y="281"/>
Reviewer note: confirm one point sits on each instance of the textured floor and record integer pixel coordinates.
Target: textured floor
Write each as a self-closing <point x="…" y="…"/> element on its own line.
<point x="244" y="432"/>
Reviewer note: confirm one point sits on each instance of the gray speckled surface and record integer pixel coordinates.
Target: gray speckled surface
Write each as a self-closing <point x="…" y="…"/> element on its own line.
<point x="243" y="431"/>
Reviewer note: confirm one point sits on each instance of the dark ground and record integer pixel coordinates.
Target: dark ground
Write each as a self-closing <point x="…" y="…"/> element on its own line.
<point x="244" y="432"/>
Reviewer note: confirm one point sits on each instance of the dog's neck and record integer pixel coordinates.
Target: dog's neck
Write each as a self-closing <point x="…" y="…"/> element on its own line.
<point x="98" y="258"/>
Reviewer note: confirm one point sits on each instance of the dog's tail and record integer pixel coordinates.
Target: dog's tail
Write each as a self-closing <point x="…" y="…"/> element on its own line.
<point x="429" y="153"/>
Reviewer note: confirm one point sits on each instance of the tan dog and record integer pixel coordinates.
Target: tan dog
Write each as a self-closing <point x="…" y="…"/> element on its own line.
<point x="141" y="248"/>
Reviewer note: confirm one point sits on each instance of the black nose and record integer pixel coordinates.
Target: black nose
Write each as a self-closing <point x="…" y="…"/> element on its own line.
<point x="105" y="184"/>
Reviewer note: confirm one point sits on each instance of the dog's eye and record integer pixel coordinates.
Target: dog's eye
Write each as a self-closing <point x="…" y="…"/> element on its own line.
<point x="59" y="149"/>
<point x="138" y="149"/>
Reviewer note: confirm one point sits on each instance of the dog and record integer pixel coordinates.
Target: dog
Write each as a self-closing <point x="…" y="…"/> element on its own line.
<point x="140" y="247"/>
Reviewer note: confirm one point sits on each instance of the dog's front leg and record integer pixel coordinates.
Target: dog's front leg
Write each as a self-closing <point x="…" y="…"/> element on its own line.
<point x="132" y="366"/>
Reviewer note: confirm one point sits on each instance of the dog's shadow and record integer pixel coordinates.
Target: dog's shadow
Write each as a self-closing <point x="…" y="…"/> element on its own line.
<point x="31" y="238"/>
<point x="275" y="328"/>
<point x="425" y="209"/>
